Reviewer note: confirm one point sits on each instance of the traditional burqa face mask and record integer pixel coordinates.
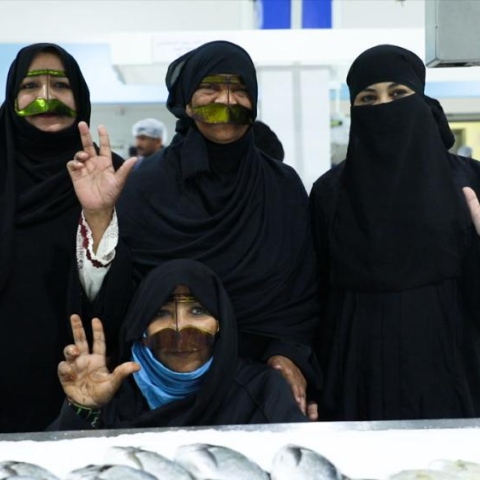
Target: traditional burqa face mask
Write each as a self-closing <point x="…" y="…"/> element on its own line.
<point x="184" y="327"/>
<point x="49" y="86"/>
<point x="232" y="111"/>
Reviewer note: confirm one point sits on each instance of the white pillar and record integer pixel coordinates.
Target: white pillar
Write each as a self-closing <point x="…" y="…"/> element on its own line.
<point x="295" y="102"/>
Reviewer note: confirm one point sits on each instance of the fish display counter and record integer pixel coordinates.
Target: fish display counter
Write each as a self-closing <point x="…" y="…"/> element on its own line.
<point x="444" y="449"/>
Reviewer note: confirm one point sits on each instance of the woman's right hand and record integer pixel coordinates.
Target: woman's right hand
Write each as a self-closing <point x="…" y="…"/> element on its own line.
<point x="84" y="375"/>
<point x="96" y="183"/>
<point x="94" y="178"/>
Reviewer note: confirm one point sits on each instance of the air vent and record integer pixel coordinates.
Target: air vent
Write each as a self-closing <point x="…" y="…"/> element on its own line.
<point x="452" y="35"/>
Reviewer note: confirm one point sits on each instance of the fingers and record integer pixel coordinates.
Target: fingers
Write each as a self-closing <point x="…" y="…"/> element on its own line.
<point x="473" y="206"/>
<point x="470" y="197"/>
<point x="99" y="346"/>
<point x="300" y="398"/>
<point x="124" y="370"/>
<point x="78" y="162"/>
<point x="86" y="138"/>
<point x="66" y="374"/>
<point x="125" y="169"/>
<point x="312" y="410"/>
<point x="70" y="352"/>
<point x="104" y="141"/>
<point x="79" y="336"/>
<point x="294" y="377"/>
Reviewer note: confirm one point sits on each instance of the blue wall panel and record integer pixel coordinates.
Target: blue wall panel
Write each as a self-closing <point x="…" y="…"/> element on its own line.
<point x="317" y="14"/>
<point x="275" y="14"/>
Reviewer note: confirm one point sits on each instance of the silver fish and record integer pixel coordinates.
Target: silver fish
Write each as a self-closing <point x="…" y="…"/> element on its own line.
<point x="462" y="469"/>
<point x="20" y="477"/>
<point x="292" y="462"/>
<point x="11" y="468"/>
<point x="212" y="462"/>
<point x="109" y="472"/>
<point x="148" y="461"/>
<point x="423" y="474"/>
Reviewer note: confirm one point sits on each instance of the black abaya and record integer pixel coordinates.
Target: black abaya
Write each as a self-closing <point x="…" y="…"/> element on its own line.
<point x="38" y="224"/>
<point x="237" y="211"/>
<point x="398" y="259"/>
<point x="233" y="391"/>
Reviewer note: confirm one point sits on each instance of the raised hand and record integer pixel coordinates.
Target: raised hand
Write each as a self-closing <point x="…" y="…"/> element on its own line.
<point x="84" y="375"/>
<point x="297" y="382"/>
<point x="97" y="184"/>
<point x="474" y="207"/>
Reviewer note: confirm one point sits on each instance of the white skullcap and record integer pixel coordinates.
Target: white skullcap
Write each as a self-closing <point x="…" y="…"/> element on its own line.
<point x="150" y="127"/>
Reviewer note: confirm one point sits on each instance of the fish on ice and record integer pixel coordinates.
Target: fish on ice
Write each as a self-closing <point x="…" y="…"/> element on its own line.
<point x="213" y="462"/>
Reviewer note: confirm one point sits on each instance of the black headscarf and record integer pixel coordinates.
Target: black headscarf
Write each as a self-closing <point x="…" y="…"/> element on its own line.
<point x="152" y="294"/>
<point x="243" y="215"/>
<point x="399" y="222"/>
<point x="186" y="72"/>
<point x="34" y="182"/>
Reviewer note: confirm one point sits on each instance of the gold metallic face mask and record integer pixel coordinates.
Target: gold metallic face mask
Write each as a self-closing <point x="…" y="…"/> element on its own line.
<point x="190" y="338"/>
<point x="187" y="340"/>
<point x="221" y="112"/>
<point x="45" y="105"/>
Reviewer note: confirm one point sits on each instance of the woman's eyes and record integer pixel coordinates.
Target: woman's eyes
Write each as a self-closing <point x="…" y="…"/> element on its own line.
<point x="368" y="98"/>
<point x="196" y="310"/>
<point x="31" y="85"/>
<point x="28" y="85"/>
<point x="399" y="92"/>
<point x="207" y="88"/>
<point x="61" y="84"/>
<point x="212" y="88"/>
<point x="199" y="310"/>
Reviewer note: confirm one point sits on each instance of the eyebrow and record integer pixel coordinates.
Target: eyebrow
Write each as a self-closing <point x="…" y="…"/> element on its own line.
<point x="391" y="85"/>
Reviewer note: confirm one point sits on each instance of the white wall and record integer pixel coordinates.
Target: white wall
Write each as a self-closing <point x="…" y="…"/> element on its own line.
<point x="379" y="13"/>
<point x="302" y="127"/>
<point x="94" y="20"/>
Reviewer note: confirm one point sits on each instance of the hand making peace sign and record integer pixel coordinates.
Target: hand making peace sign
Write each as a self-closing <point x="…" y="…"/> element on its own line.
<point x="84" y="375"/>
<point x="97" y="184"/>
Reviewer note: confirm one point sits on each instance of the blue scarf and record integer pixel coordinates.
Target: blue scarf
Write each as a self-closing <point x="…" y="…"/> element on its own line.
<point x="160" y="385"/>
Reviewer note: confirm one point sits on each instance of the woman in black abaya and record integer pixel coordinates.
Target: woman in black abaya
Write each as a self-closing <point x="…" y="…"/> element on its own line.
<point x="397" y="255"/>
<point x="181" y="334"/>
<point x="46" y="97"/>
<point x="212" y="196"/>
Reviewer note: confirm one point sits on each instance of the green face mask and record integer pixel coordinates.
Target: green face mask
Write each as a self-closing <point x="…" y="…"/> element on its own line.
<point x="42" y="105"/>
<point x="221" y="112"/>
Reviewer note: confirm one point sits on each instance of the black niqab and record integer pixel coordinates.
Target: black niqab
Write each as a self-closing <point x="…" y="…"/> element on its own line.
<point x="400" y="222"/>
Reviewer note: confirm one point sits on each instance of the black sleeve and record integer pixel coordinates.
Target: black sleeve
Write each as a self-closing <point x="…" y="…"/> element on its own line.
<point x="264" y="396"/>
<point x="323" y="199"/>
<point x="302" y="356"/>
<point x="69" y="420"/>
